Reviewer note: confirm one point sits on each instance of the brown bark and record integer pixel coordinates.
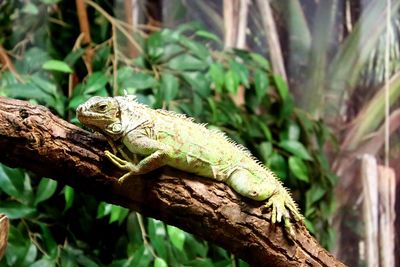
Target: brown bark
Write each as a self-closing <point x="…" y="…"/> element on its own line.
<point x="32" y="138"/>
<point x="3" y="234"/>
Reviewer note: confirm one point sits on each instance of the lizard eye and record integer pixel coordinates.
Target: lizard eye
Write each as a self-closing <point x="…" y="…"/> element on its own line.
<point x="102" y="107"/>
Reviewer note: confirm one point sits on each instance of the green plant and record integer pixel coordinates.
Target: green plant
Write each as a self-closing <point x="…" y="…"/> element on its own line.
<point x="178" y="70"/>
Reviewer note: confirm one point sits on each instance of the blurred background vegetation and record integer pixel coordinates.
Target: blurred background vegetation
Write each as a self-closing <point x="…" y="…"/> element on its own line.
<point x="228" y="63"/>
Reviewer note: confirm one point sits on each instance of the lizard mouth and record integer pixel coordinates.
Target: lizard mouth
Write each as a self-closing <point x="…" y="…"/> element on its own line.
<point x="94" y="120"/>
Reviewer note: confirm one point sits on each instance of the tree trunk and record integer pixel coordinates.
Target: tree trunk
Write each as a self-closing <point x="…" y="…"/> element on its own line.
<point x="33" y="138"/>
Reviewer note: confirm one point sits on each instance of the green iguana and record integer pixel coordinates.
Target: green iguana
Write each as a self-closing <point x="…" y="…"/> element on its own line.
<point x="163" y="137"/>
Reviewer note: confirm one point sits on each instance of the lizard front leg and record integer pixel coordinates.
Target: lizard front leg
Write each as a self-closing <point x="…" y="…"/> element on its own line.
<point x="119" y="148"/>
<point x="148" y="164"/>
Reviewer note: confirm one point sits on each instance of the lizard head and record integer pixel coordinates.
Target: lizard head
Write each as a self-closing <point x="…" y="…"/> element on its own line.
<point x="101" y="114"/>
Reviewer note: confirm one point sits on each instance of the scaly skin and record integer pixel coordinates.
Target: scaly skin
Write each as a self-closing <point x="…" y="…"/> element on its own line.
<point x="161" y="138"/>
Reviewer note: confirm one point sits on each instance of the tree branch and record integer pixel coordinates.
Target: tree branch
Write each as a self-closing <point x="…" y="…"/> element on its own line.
<point x="33" y="138"/>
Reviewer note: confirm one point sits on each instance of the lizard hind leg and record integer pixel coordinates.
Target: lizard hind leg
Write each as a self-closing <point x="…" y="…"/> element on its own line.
<point x="248" y="185"/>
<point x="251" y="186"/>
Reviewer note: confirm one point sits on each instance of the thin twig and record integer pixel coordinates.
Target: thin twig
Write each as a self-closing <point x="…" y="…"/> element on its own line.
<point x="7" y="63"/>
<point x="70" y="76"/>
<point x="144" y="235"/>
<point x="85" y="29"/>
<point x="115" y="22"/>
<point x="115" y="61"/>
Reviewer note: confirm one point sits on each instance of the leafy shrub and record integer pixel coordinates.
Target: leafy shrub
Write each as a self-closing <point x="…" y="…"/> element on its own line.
<point x="180" y="70"/>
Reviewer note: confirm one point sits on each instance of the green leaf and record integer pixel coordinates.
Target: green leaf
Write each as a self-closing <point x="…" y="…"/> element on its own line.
<point x="290" y="132"/>
<point x="86" y="261"/>
<point x="16" y="183"/>
<point x="118" y="214"/>
<point x="68" y="260"/>
<point x="314" y="194"/>
<point x="132" y="228"/>
<point x="260" y="60"/>
<point x="142" y="257"/>
<point x="198" y="83"/>
<point x="243" y="263"/>
<point x="310" y="226"/>
<point x="287" y="108"/>
<point x="71" y="256"/>
<point x="261" y="83"/>
<point x="242" y="71"/>
<point x="45" y="85"/>
<point x="177" y="237"/>
<point x="293" y="131"/>
<point x="139" y="61"/>
<point x="6" y="183"/>
<point x="155" y="46"/>
<point x="200" y="263"/>
<point x="265" y="150"/>
<point x="139" y="81"/>
<point x="101" y="58"/>
<point x="28" y="91"/>
<point x="30" y="255"/>
<point x="43" y="262"/>
<point x="266" y="131"/>
<point x="50" y="2"/>
<point x="45" y="190"/>
<point x="157" y="235"/>
<point x="159" y="262"/>
<point x="278" y="165"/>
<point x="50" y="244"/>
<point x="96" y="82"/>
<point x="208" y="35"/>
<point x="15" y="210"/>
<point x="232" y="80"/>
<point x="169" y="86"/>
<point x="186" y="62"/>
<point x="77" y="100"/>
<point x="171" y="51"/>
<point x="69" y="195"/>
<point x="103" y="209"/>
<point x="33" y="61"/>
<point x="188" y="26"/>
<point x="57" y="99"/>
<point x="298" y="168"/>
<point x="73" y="56"/>
<point x="30" y="8"/>
<point x="196" y="48"/>
<point x="195" y="248"/>
<point x="217" y="74"/>
<point x="57" y="65"/>
<point x="281" y="86"/>
<point x="296" y="148"/>
<point x="328" y="207"/>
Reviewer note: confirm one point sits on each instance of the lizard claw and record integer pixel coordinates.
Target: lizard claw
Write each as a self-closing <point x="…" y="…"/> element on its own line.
<point x="280" y="212"/>
<point x="120" y="163"/>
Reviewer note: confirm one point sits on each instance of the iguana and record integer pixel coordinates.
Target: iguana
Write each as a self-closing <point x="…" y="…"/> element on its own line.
<point x="161" y="137"/>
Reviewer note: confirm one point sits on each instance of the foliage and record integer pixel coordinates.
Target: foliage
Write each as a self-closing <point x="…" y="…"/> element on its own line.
<point x="54" y="225"/>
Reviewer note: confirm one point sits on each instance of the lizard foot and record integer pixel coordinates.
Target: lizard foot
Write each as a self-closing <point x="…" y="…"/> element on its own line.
<point x="120" y="163"/>
<point x="280" y="212"/>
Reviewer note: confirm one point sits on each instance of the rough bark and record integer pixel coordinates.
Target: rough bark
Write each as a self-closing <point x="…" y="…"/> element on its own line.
<point x="3" y="234"/>
<point x="33" y="138"/>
